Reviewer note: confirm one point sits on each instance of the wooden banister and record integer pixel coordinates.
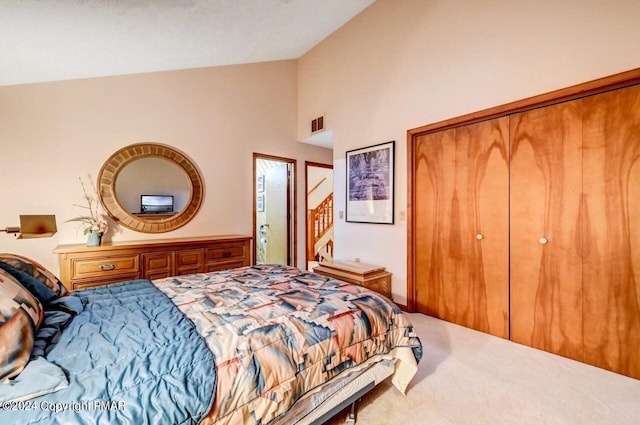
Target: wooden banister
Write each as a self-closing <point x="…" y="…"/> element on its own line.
<point x="320" y="220"/>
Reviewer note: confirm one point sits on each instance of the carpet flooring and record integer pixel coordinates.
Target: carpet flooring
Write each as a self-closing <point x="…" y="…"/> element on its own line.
<point x="468" y="377"/>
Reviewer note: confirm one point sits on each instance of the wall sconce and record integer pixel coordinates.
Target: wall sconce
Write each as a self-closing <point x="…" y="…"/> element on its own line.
<point x="34" y="226"/>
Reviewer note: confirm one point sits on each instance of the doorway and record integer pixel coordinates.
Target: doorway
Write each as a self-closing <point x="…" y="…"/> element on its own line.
<point x="319" y="208"/>
<point x="274" y="206"/>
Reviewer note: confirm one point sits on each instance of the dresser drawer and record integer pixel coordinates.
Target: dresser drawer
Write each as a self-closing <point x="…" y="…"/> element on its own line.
<point x="157" y="265"/>
<point x="88" y="283"/>
<point x="104" y="267"/>
<point x="216" y="267"/>
<point x="189" y="261"/>
<point x="225" y="252"/>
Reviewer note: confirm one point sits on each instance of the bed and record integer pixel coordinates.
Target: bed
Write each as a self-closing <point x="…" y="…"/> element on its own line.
<point x="262" y="344"/>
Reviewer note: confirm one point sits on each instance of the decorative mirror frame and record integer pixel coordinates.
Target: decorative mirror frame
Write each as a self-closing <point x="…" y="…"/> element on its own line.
<point x="116" y="162"/>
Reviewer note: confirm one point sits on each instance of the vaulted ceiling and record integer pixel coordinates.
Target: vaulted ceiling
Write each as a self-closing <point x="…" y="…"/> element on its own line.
<point x="68" y="39"/>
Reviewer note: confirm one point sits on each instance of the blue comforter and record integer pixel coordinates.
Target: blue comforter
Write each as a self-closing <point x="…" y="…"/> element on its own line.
<point x="131" y="357"/>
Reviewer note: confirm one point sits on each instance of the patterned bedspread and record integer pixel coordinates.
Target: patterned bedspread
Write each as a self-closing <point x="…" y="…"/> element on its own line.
<point x="277" y="332"/>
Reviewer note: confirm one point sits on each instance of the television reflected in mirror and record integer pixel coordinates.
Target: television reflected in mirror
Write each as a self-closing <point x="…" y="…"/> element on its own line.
<point x="144" y="178"/>
<point x="150" y="168"/>
<point x="156" y="204"/>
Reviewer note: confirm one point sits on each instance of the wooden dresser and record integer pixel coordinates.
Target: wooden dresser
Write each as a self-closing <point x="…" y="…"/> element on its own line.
<point x="369" y="276"/>
<point x="82" y="266"/>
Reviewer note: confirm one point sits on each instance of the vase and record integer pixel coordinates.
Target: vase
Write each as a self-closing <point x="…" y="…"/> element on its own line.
<point x="94" y="239"/>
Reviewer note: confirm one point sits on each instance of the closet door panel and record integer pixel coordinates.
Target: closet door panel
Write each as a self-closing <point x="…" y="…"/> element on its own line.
<point x="461" y="224"/>
<point x="484" y="292"/>
<point x="434" y="185"/>
<point x="611" y="210"/>
<point x="545" y="239"/>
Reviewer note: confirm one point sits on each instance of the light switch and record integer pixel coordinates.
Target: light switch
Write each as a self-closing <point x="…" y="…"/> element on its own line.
<point x="341" y="214"/>
<point x="403" y="215"/>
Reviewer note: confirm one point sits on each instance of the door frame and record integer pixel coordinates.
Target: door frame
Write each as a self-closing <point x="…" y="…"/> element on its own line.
<point x="292" y="207"/>
<point x="308" y="164"/>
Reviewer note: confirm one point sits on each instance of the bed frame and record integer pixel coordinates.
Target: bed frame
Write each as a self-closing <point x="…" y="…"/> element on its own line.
<point x="347" y="395"/>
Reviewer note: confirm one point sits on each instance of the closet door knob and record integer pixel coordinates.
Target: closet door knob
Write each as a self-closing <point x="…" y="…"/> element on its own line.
<point x="479" y="236"/>
<point x="543" y="240"/>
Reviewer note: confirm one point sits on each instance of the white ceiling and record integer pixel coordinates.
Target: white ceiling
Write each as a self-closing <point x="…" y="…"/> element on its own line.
<point x="51" y="40"/>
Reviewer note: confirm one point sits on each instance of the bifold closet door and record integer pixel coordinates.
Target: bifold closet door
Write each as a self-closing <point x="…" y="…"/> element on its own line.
<point x="462" y="225"/>
<point x="611" y="206"/>
<point x="546" y="237"/>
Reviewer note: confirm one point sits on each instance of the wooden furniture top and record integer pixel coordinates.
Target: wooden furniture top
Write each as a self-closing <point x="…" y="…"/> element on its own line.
<point x="124" y="245"/>
<point x="352" y="267"/>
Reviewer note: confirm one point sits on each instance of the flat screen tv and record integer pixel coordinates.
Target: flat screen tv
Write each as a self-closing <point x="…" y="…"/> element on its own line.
<point x="150" y="204"/>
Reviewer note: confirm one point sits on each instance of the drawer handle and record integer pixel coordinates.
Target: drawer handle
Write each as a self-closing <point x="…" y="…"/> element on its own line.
<point x="107" y="266"/>
<point x="226" y="254"/>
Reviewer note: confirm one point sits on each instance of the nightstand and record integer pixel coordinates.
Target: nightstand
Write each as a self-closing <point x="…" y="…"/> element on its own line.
<point x="369" y="276"/>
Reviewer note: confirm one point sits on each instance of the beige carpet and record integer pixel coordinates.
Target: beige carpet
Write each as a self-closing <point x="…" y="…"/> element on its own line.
<point x="467" y="377"/>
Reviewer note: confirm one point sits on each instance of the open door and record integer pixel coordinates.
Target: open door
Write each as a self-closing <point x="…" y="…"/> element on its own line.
<point x="319" y="207"/>
<point x="274" y="210"/>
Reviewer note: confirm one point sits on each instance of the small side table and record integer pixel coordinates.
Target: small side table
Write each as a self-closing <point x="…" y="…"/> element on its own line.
<point x="369" y="276"/>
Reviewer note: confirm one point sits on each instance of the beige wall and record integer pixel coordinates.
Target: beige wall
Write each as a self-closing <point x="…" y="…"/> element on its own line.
<point x="321" y="179"/>
<point x="401" y="64"/>
<point x="53" y="133"/>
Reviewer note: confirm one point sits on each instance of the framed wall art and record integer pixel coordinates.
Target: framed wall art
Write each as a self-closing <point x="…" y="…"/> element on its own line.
<point x="260" y="202"/>
<point x="260" y="183"/>
<point x="370" y="183"/>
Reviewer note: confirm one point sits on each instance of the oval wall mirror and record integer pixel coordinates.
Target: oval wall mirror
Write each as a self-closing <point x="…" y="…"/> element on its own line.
<point x="150" y="188"/>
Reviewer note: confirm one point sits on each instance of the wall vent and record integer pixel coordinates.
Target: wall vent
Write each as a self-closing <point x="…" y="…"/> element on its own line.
<point x="317" y="124"/>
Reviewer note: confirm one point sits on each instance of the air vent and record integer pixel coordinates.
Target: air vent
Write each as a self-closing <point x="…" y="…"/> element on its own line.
<point x="317" y="124"/>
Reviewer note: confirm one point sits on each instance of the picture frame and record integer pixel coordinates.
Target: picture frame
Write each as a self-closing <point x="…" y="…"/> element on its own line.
<point x="370" y="184"/>
<point x="260" y="202"/>
<point x="260" y="183"/>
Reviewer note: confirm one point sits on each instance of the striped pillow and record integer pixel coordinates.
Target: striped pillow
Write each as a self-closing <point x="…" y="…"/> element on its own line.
<point x="36" y="270"/>
<point x="20" y="315"/>
<point x="16" y="343"/>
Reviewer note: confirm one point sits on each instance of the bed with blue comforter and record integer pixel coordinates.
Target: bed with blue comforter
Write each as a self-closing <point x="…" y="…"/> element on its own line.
<point x="234" y="347"/>
<point x="129" y="357"/>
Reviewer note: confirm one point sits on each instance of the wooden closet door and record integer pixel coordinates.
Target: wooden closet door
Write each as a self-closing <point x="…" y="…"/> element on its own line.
<point x="611" y="211"/>
<point x="546" y="268"/>
<point x="461" y="225"/>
